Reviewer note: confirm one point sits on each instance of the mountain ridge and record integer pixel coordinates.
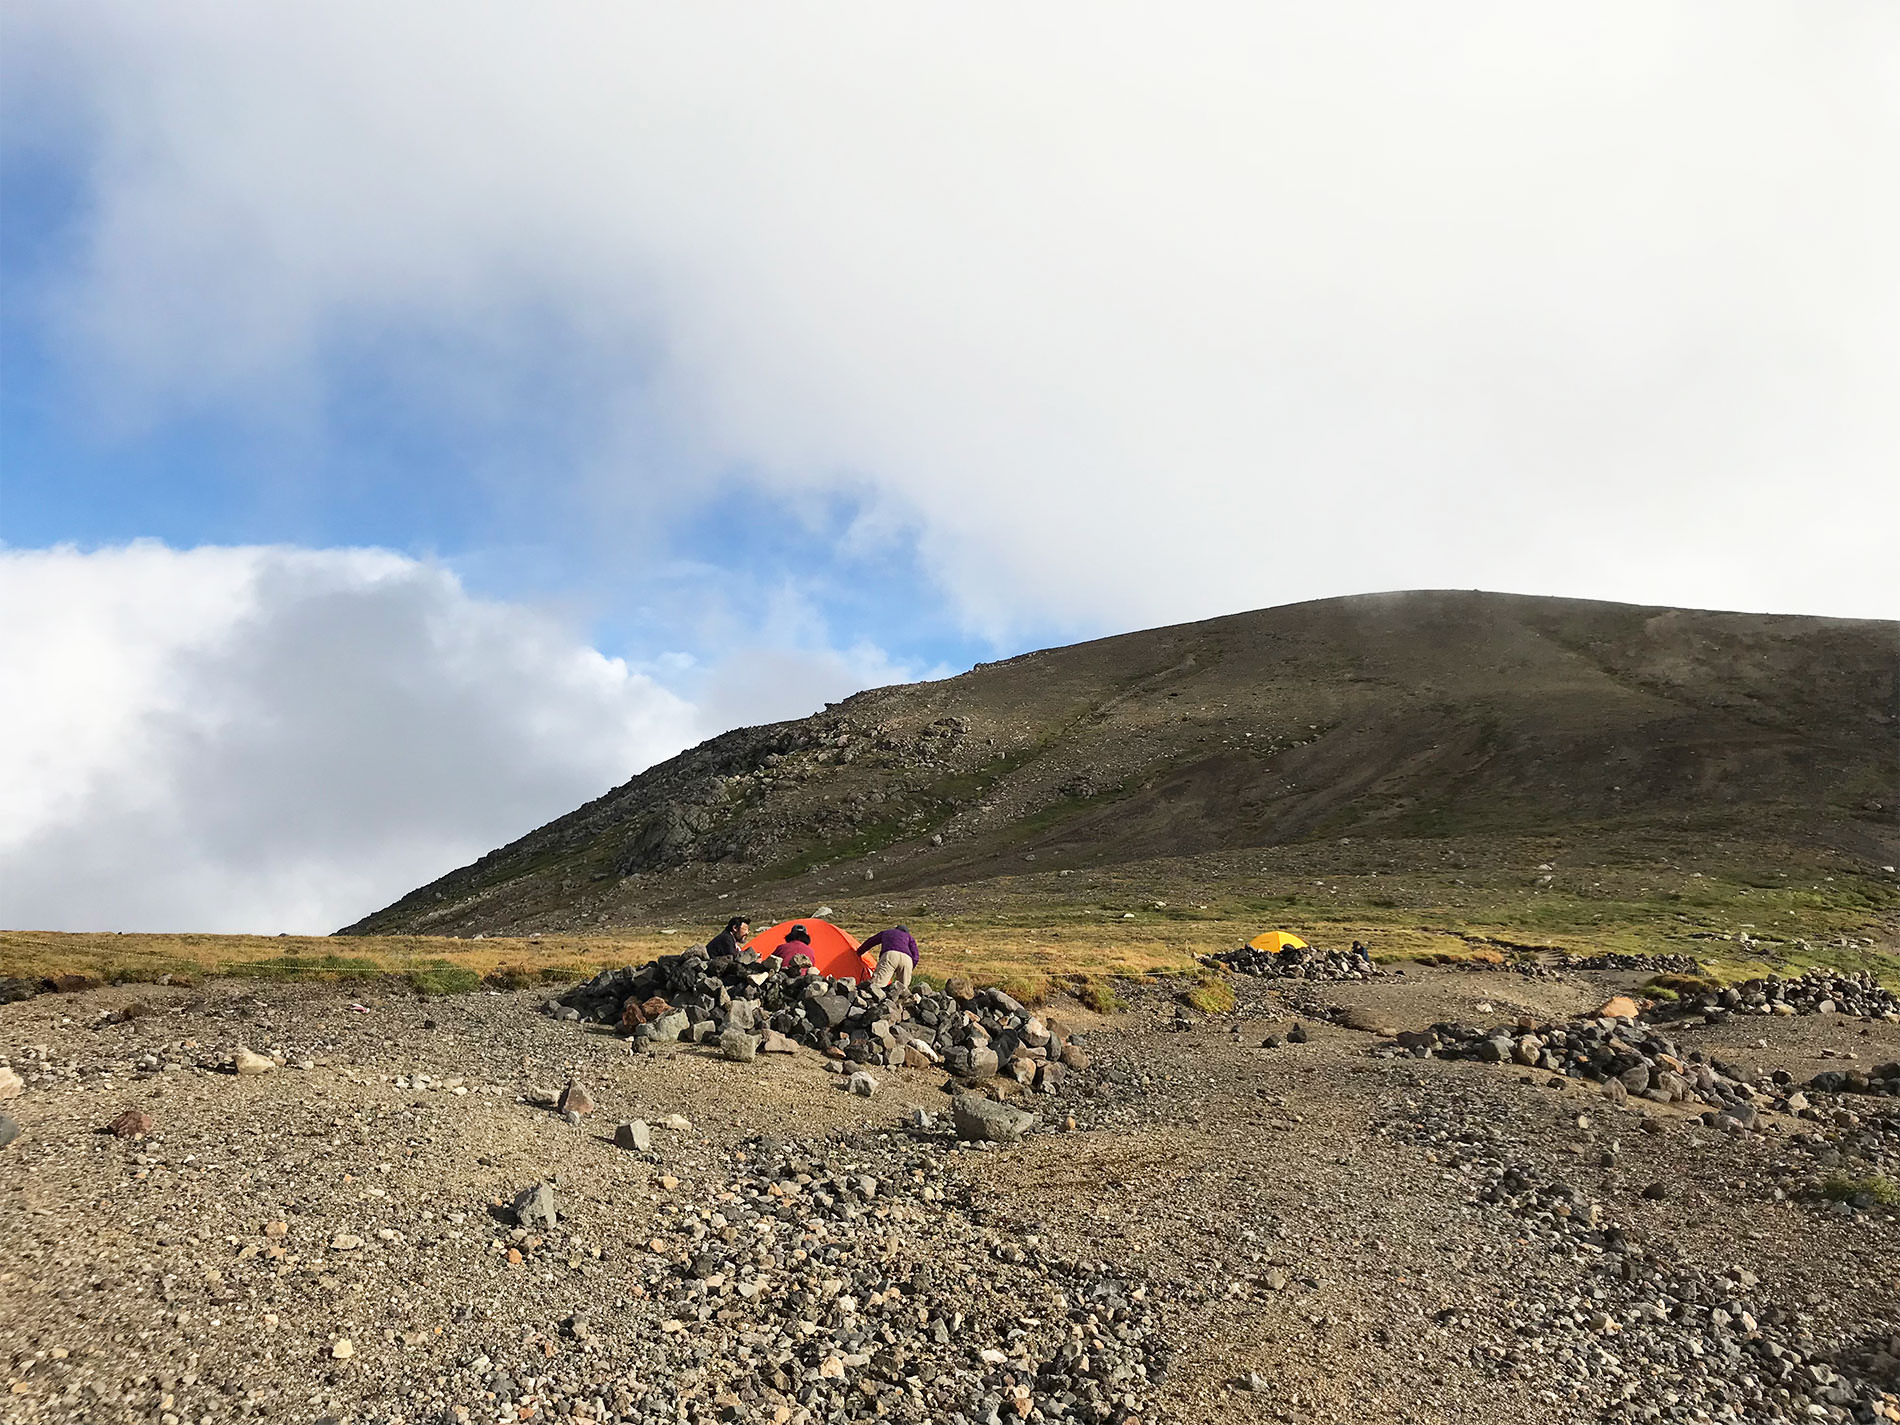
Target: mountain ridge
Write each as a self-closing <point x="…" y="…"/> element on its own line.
<point x="1414" y="716"/>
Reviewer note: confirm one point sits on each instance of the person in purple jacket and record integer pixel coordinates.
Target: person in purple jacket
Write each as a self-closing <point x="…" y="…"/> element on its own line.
<point x="897" y="957"/>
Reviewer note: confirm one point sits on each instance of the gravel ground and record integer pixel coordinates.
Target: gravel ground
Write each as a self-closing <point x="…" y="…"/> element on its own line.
<point x="1303" y="1233"/>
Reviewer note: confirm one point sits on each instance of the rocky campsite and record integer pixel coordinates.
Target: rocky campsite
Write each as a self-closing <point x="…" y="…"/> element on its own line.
<point x="1565" y="1086"/>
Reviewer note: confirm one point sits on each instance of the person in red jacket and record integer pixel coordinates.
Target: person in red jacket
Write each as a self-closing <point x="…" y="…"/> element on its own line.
<point x="897" y="956"/>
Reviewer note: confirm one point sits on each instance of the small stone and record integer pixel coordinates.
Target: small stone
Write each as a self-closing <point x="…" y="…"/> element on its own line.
<point x="131" y="1124"/>
<point x="9" y="1130"/>
<point x="11" y="1084"/>
<point x="738" y="1046"/>
<point x="677" y="1123"/>
<point x="635" y="1137"/>
<point x="345" y="1242"/>
<point x="1656" y="1192"/>
<point x="250" y="1064"/>
<point x="1297" y="1034"/>
<point x="534" y="1207"/>
<point x="577" y="1101"/>
<point x="861" y="1084"/>
<point x="341" y="1350"/>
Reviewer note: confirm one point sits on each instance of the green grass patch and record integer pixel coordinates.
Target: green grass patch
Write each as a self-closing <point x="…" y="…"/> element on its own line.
<point x="439" y="977"/>
<point x="1210" y="995"/>
<point x="1028" y="987"/>
<point x="1097" y="994"/>
<point x="515" y="976"/>
<point x="304" y="967"/>
<point x="1845" y="1187"/>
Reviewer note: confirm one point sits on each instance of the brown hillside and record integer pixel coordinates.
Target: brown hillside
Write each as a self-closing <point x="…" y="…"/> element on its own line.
<point x="1410" y="719"/>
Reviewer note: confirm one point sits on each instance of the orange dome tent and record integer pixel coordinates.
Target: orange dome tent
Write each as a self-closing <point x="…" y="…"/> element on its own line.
<point x="832" y="951"/>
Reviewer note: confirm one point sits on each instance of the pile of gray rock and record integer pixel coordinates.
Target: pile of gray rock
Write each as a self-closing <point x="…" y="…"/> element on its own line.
<point x="1848" y="992"/>
<point x="855" y="1279"/>
<point x="1630" y="1059"/>
<point x="1646" y="1321"/>
<point x="1656" y="964"/>
<point x="1297" y="963"/>
<point x="744" y="1007"/>
<point x="1880" y="1079"/>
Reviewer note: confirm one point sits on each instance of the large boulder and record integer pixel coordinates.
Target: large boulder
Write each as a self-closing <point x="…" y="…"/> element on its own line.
<point x="827" y="1011"/>
<point x="982" y="1120"/>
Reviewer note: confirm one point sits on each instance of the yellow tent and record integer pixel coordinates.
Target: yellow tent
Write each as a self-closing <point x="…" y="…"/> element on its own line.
<point x="1276" y="941"/>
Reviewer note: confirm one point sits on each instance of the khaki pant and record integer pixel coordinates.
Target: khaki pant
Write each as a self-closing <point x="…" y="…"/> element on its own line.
<point x="892" y="964"/>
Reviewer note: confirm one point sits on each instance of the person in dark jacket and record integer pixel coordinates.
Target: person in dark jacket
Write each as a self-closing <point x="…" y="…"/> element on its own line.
<point x="727" y="942"/>
<point x="897" y="956"/>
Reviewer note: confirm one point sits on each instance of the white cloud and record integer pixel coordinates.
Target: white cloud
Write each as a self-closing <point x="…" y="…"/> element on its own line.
<point x="265" y="739"/>
<point x="1135" y="315"/>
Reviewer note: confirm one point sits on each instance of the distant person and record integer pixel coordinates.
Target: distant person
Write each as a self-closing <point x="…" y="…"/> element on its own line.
<point x="727" y="942"/>
<point x="897" y="957"/>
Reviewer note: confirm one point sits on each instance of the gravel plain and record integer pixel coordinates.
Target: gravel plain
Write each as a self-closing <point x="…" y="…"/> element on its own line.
<point x="1312" y="1232"/>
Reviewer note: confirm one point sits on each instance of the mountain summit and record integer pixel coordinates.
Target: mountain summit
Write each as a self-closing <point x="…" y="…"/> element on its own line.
<point x="1390" y="718"/>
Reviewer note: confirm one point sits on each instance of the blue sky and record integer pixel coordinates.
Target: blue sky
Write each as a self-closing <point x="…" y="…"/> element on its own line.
<point x="699" y="371"/>
<point x="415" y="439"/>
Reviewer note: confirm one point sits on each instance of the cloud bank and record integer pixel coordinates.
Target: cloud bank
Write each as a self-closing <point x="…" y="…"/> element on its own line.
<point x="1128" y="316"/>
<point x="262" y="739"/>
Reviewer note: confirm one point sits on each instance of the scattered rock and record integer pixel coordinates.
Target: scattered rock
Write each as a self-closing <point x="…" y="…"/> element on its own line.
<point x="251" y="1064"/>
<point x="635" y="1137"/>
<point x="533" y="1207"/>
<point x="133" y="1123"/>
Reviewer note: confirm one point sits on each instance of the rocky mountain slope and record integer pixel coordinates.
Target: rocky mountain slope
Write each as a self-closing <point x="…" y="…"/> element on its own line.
<point x="1402" y="718"/>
